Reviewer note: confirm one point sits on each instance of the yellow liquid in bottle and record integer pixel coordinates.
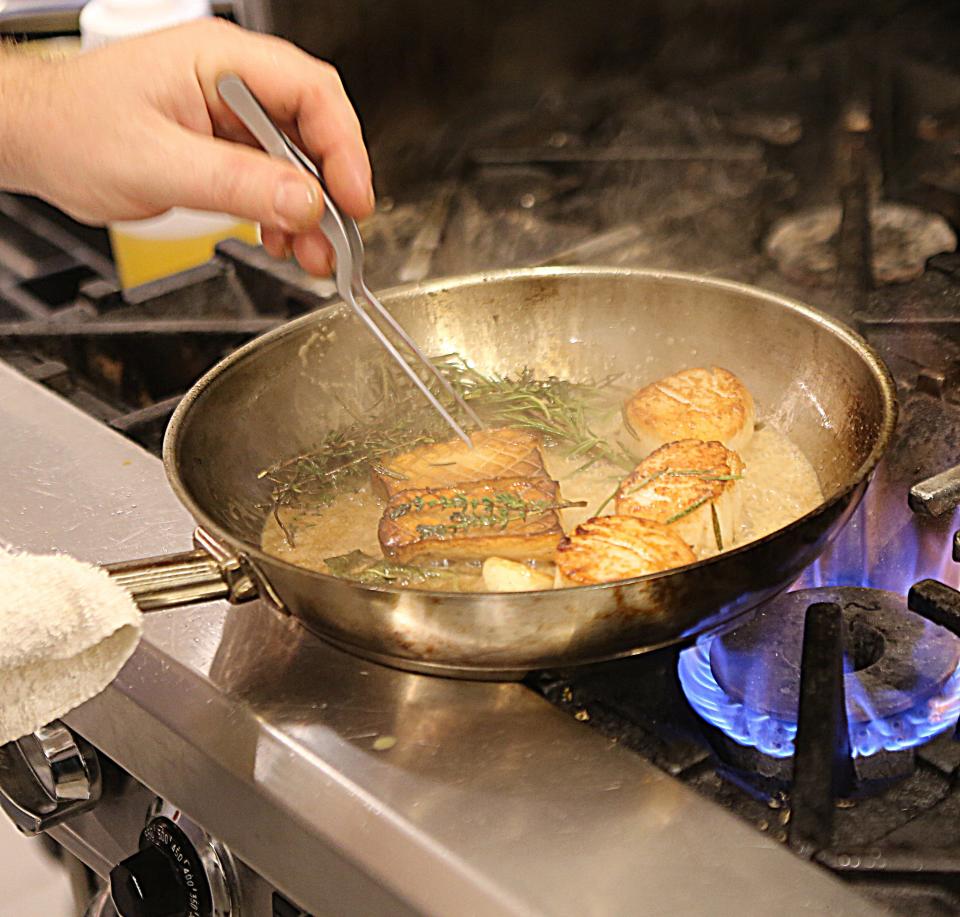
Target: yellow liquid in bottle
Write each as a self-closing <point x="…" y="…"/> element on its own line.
<point x="140" y="260"/>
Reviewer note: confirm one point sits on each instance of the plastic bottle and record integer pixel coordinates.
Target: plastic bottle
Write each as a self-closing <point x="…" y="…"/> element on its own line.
<point x="145" y="250"/>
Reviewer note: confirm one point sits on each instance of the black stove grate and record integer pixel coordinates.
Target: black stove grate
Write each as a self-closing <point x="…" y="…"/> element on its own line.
<point x="129" y="358"/>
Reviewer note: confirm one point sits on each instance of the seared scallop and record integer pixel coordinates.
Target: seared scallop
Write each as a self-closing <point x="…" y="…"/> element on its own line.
<point x="610" y="548"/>
<point x="705" y="404"/>
<point x="691" y="486"/>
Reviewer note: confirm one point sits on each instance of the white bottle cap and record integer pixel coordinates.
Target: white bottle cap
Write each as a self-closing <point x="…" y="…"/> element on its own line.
<point x="103" y="21"/>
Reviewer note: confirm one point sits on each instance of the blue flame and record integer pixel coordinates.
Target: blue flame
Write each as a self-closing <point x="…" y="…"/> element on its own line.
<point x="886" y="546"/>
<point x="771" y="736"/>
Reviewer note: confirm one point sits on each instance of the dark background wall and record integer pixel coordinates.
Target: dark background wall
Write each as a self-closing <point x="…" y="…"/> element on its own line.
<point x="446" y="51"/>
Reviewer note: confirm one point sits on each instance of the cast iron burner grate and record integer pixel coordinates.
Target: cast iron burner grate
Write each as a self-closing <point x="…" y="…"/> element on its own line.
<point x="901" y="683"/>
<point x="889" y="821"/>
<point x="128" y="358"/>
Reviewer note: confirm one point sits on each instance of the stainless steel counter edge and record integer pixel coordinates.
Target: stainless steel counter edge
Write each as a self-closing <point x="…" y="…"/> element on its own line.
<point x="345" y="781"/>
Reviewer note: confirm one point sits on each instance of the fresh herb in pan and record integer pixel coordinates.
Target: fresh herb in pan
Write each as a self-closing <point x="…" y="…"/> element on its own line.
<point x="373" y="571"/>
<point x="496" y="511"/>
<point x="680" y="473"/>
<point x="344" y="456"/>
<point x="385" y="472"/>
<point x="349" y="565"/>
<point x="687" y="510"/>
<point x="389" y="573"/>
<point x="608" y="501"/>
<point x="706" y="475"/>
<point x="557" y="408"/>
<point x="399" y="421"/>
<point x="643" y="482"/>
<point x="702" y="474"/>
<point x="717" y="534"/>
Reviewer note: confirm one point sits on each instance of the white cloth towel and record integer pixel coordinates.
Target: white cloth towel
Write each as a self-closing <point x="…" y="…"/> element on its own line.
<point x="66" y="629"/>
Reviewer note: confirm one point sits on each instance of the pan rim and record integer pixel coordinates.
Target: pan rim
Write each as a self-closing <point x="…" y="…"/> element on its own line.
<point x="256" y="555"/>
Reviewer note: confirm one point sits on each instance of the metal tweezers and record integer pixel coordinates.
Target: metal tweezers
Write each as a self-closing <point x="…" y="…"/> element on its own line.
<point x="344" y="236"/>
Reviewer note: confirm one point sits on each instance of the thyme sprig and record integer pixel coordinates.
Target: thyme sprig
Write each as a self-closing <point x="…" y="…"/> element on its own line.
<point x="496" y="511"/>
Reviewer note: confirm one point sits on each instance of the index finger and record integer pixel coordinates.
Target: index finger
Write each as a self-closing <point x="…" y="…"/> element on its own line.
<point x="294" y="87"/>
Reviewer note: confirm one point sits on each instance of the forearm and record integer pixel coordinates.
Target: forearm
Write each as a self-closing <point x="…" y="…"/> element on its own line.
<point x="21" y="118"/>
<point x="25" y="119"/>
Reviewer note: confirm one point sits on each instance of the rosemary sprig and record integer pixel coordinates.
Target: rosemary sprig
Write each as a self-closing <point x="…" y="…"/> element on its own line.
<point x="385" y="472"/>
<point x="705" y="475"/>
<point x="606" y="502"/>
<point x="643" y="482"/>
<point x="400" y="421"/>
<point x="557" y="408"/>
<point x="680" y="473"/>
<point x="717" y="534"/>
<point x="687" y="510"/>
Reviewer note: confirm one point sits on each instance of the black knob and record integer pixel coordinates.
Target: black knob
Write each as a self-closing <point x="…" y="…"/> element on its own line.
<point x="148" y="884"/>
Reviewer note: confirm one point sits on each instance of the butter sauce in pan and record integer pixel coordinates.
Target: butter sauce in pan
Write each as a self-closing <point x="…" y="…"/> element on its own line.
<point x="685" y="455"/>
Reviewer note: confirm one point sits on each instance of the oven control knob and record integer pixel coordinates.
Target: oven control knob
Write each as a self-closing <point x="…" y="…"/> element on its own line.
<point x="47" y="777"/>
<point x="149" y="884"/>
<point x="179" y="871"/>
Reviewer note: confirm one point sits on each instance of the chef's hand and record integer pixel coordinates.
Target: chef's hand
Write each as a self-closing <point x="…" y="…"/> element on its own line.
<point x="132" y="129"/>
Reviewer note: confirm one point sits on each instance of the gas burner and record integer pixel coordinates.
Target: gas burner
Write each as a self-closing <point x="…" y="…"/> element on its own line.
<point x="902" y="239"/>
<point x="902" y="681"/>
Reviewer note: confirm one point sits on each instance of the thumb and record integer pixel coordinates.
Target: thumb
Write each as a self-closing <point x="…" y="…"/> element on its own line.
<point x="226" y="177"/>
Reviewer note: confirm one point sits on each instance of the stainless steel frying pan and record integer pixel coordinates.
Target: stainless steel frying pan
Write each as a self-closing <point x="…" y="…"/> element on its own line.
<point x="812" y="378"/>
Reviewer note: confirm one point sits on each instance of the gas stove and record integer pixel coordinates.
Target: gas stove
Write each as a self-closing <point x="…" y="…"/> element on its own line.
<point x="313" y="782"/>
<point x="720" y="777"/>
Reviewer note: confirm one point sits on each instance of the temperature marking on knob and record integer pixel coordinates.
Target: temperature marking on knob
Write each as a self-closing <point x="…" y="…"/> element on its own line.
<point x="186" y="861"/>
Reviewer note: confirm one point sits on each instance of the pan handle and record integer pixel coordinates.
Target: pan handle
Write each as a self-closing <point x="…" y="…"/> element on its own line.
<point x="207" y="573"/>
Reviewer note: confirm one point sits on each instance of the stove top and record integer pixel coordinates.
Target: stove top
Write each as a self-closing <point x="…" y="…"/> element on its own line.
<point x="354" y="788"/>
<point x="826" y="171"/>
